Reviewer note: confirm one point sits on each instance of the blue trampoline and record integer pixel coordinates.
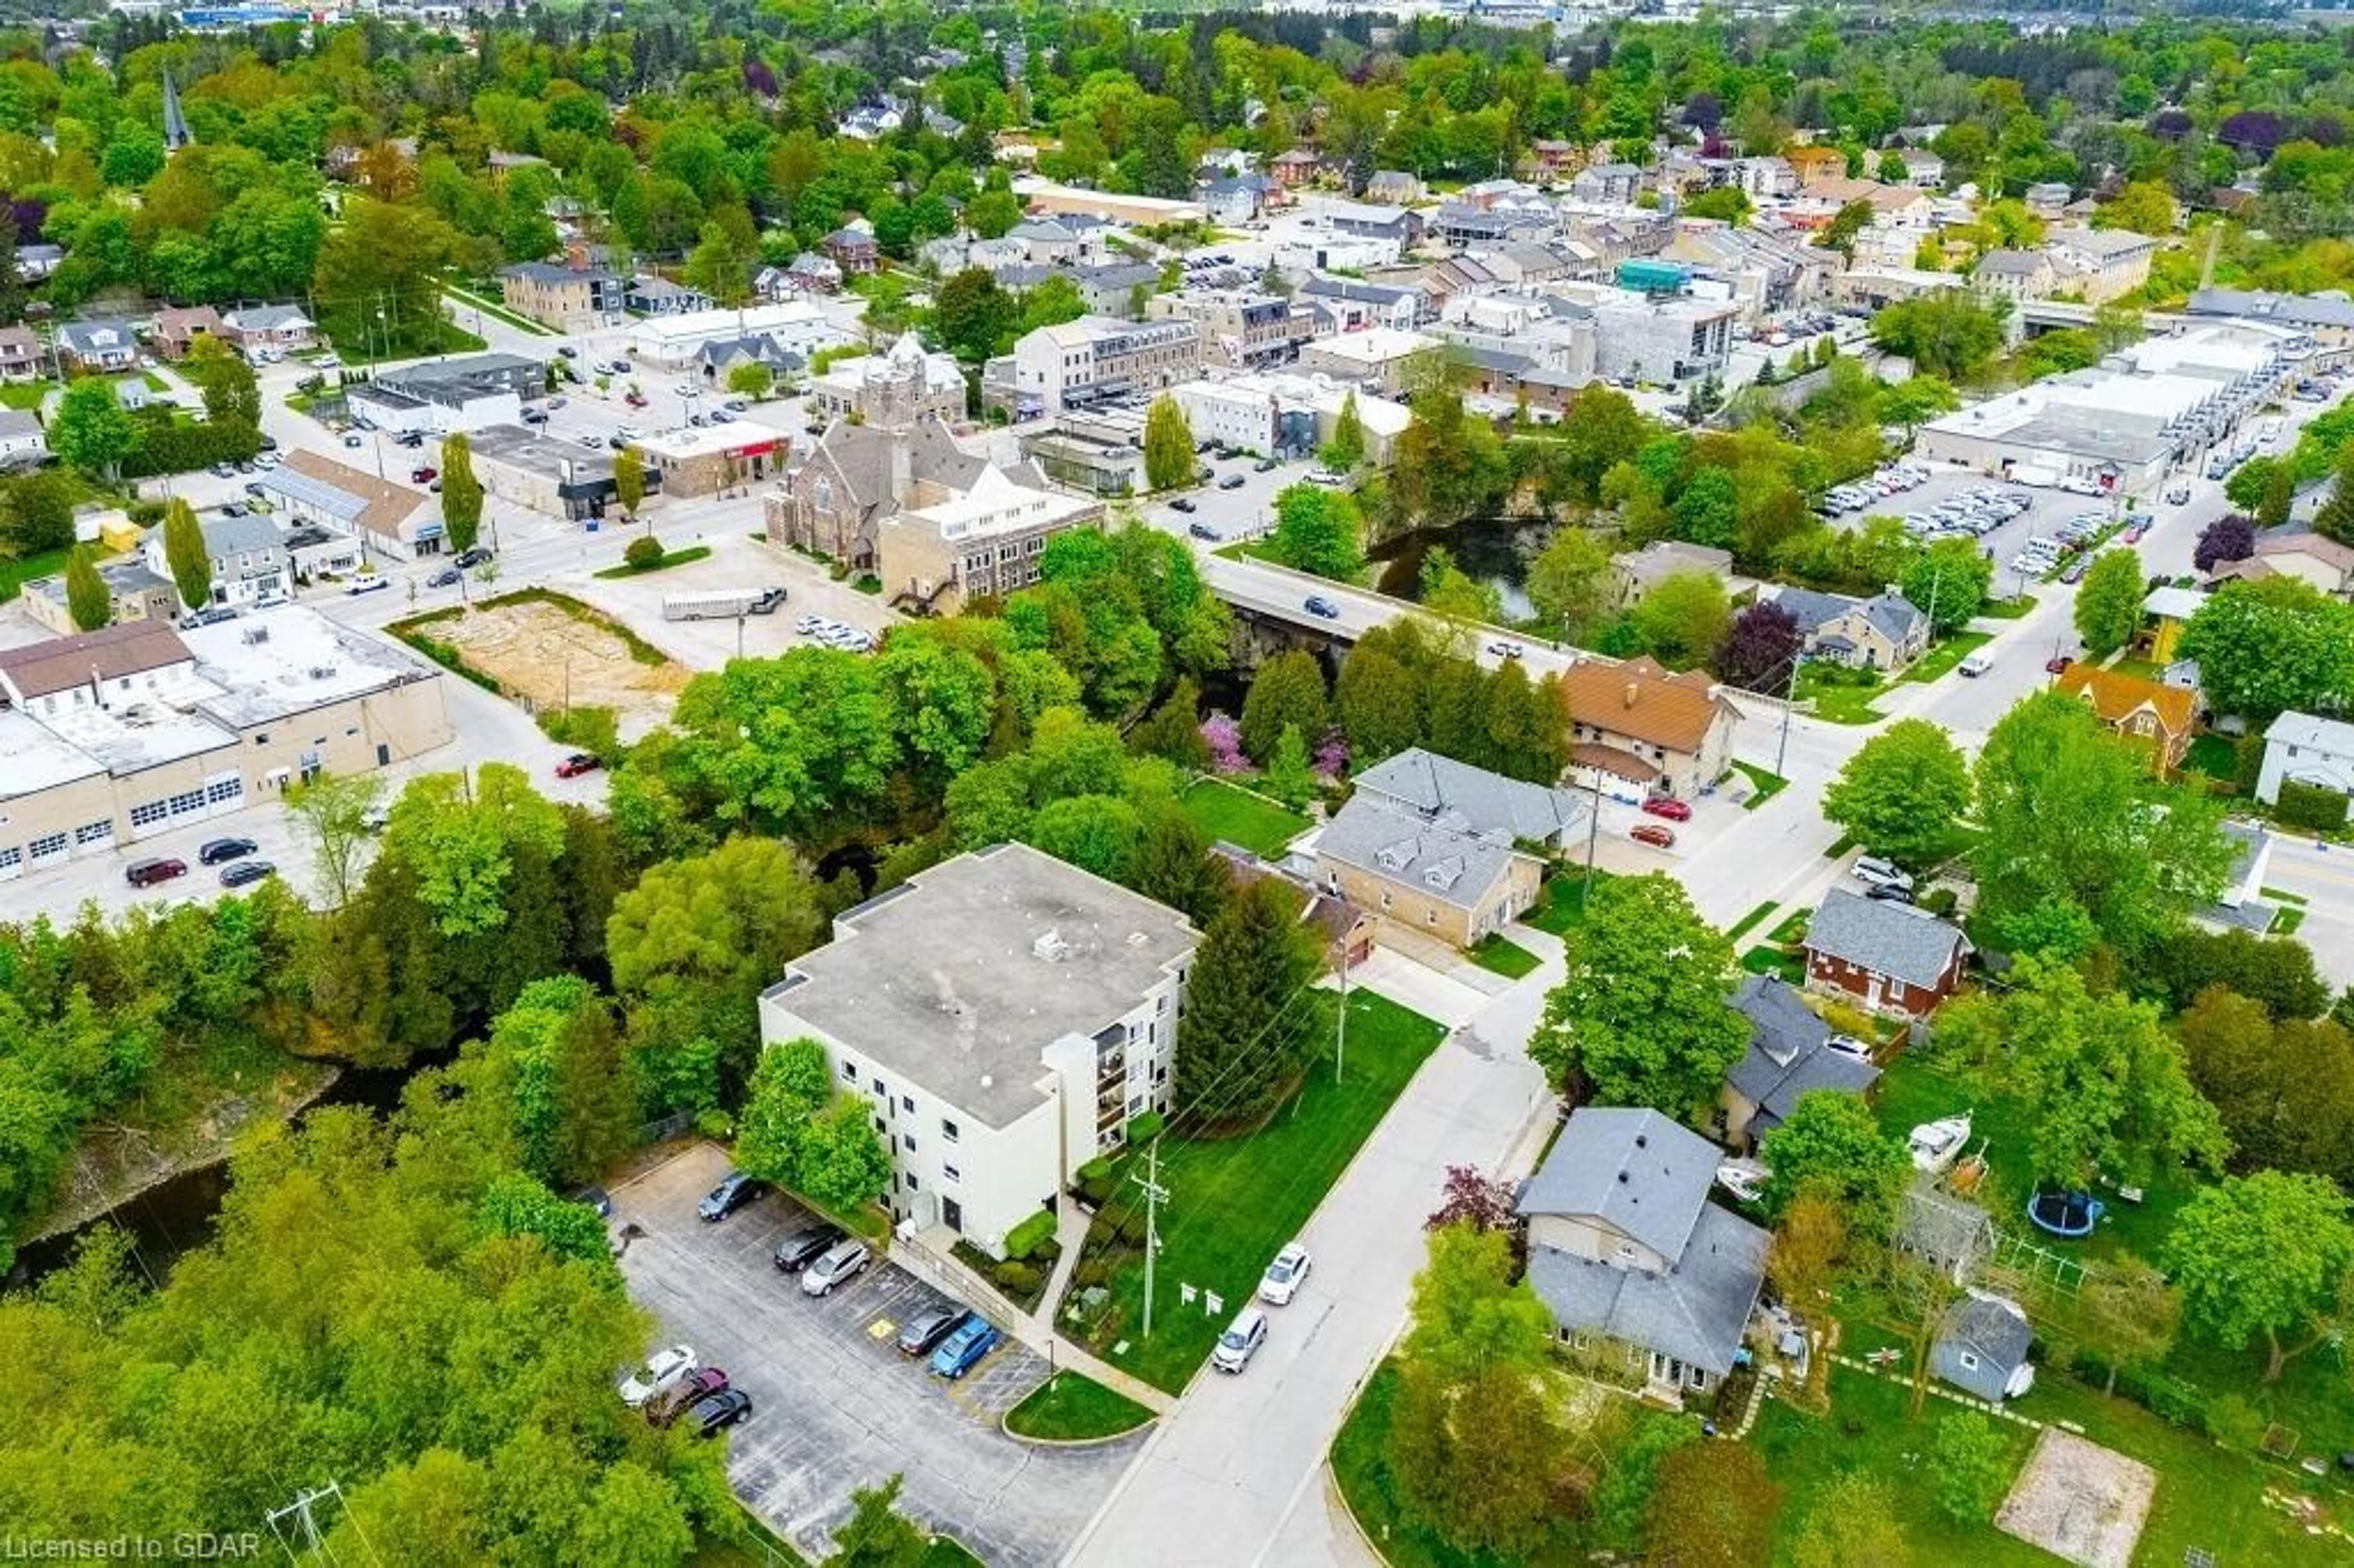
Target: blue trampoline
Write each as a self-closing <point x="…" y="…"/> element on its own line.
<point x="2069" y="1214"/>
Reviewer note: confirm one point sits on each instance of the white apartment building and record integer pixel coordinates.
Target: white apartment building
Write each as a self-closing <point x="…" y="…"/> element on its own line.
<point x="1096" y="357"/>
<point x="1004" y="1015"/>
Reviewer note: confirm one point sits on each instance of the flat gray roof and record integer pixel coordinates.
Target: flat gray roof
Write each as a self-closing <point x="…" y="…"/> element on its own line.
<point x="961" y="978"/>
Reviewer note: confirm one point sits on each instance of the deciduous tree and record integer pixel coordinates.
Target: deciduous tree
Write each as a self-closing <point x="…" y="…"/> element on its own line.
<point x="2231" y="537"/>
<point x="462" y="493"/>
<point x="2128" y="1313"/>
<point x="2267" y="647"/>
<point x="185" y="554"/>
<point x="332" y="812"/>
<point x="1713" y="1507"/>
<point x="91" y="431"/>
<point x="1972" y="1464"/>
<point x="1320" y="531"/>
<point x="2109" y="603"/>
<point x="1683" y="618"/>
<point x="1948" y="582"/>
<point x="1169" y="456"/>
<point x="88" y="600"/>
<point x="876" y="1534"/>
<point x="1641" y="1017"/>
<point x="2265" y="1255"/>
<point x="1831" y="1145"/>
<point x="1903" y="793"/>
<point x="1761" y="649"/>
<point x="1569" y="583"/>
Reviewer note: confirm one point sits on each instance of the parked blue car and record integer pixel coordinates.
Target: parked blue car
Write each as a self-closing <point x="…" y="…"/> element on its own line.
<point x="962" y="1351"/>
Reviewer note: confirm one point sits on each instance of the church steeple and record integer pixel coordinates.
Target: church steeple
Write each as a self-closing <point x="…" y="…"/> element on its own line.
<point x="176" y="124"/>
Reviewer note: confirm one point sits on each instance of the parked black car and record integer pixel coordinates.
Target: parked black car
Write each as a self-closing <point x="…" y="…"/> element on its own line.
<point x="244" y="873"/>
<point x="735" y="1190"/>
<point x="216" y="851"/>
<point x="716" y="1413"/>
<point x="467" y="560"/>
<point x="800" y="1249"/>
<point x="1181" y="504"/>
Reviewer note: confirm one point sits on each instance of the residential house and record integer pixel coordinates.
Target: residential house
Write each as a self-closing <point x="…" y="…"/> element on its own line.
<point x="177" y="330"/>
<point x="98" y="348"/>
<point x="251" y="566"/>
<point x="23" y="442"/>
<point x="1923" y="168"/>
<point x="1789" y="1055"/>
<point x="133" y="592"/>
<point x="1441" y="788"/>
<point x="2300" y="553"/>
<point x="1299" y="167"/>
<point x="2308" y="750"/>
<point x="716" y="360"/>
<point x="2016" y="275"/>
<point x="1981" y="1348"/>
<point x="1635" y="573"/>
<point x="1059" y="241"/>
<point x="2047" y="199"/>
<point x="1886" y="631"/>
<point x="1548" y="160"/>
<point x="853" y="249"/>
<point x="2099" y="264"/>
<point x="2241" y="906"/>
<point x="2165" y="613"/>
<point x="278" y="329"/>
<point x="1238" y="198"/>
<point x="1891" y="957"/>
<point x="22" y="358"/>
<point x="1425" y="874"/>
<point x="653" y="296"/>
<point x="1395" y="187"/>
<point x="1346" y="932"/>
<point x="36" y="262"/>
<point x="1607" y="185"/>
<point x="1817" y="163"/>
<point x="562" y="297"/>
<point x="1005" y="1016"/>
<point x="2147" y="713"/>
<point x="1637" y="730"/>
<point x="1631" y="1258"/>
<point x="1366" y="305"/>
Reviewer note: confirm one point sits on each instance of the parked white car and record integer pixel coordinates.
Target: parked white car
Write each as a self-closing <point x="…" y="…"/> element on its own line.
<point x="663" y="1370"/>
<point x="1241" y="1341"/>
<point x="840" y="1263"/>
<point x="1285" y="1276"/>
<point x="1874" y="872"/>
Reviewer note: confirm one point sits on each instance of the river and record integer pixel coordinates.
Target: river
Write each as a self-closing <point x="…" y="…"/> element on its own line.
<point x="173" y="1217"/>
<point x="1487" y="548"/>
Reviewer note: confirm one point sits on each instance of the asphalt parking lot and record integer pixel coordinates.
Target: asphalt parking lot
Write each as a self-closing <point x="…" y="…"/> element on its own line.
<point x="734" y="562"/>
<point x="835" y="1406"/>
<point x="2051" y="508"/>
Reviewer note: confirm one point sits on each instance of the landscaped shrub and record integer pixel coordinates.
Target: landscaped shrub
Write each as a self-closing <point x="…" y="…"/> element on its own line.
<point x="644" y="553"/>
<point x="1024" y="1238"/>
<point x="1940" y="901"/>
<point x="1021" y="1281"/>
<point x="2310" y="806"/>
<point x="1144" y="1128"/>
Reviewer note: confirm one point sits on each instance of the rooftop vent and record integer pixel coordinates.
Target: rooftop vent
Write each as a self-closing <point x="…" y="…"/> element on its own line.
<point x="1051" y="947"/>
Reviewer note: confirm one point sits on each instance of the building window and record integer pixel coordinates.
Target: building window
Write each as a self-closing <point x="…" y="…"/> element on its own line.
<point x="908" y="1140"/>
<point x="221" y="789"/>
<point x="147" y="815"/>
<point x="908" y="1103"/>
<point x="912" y="1182"/>
<point x="879" y="1089"/>
<point x="261" y="737"/>
<point x="1969" y="1362"/>
<point x="880" y="1127"/>
<point x="951" y="1173"/>
<point x="849" y="1073"/>
<point x="11" y="858"/>
<point x="186" y="802"/>
<point x="94" y="832"/>
<point x="948" y="1130"/>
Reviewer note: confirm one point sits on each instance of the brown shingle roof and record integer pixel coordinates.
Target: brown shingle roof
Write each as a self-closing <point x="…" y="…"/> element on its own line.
<point x="388" y="505"/>
<point x="2117" y="697"/>
<point x="62" y="662"/>
<point x="1640" y="698"/>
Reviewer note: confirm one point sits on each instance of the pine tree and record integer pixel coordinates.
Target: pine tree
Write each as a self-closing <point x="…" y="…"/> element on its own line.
<point x="2335" y="518"/>
<point x="1242" y="1039"/>
<point x="87" y="598"/>
<point x="185" y="553"/>
<point x="2280" y="494"/>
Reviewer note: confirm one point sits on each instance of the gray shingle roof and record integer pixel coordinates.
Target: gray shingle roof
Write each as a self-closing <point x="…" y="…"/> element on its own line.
<point x="1994" y="1332"/>
<point x="1642" y="1172"/>
<point x="1695" y="1312"/>
<point x="1374" y="836"/>
<point x="1810" y="609"/>
<point x="1888" y="939"/>
<point x="1470" y="797"/>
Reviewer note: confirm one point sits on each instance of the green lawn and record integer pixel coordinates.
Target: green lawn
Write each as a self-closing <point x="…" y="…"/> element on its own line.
<point x="16" y="573"/>
<point x="1068" y="1407"/>
<point x="1871" y="1429"/>
<point x="1945" y="654"/>
<point x="1749" y="922"/>
<point x="1232" y="1204"/>
<point x="1223" y="811"/>
<point x="26" y="395"/>
<point x="1837" y="697"/>
<point x="1766" y="785"/>
<point x="2008" y="609"/>
<point x="474" y="300"/>
<point x="670" y="558"/>
<point x="2215" y="756"/>
<point x="1564" y="906"/>
<point x="1497" y="955"/>
<point x="1767" y="960"/>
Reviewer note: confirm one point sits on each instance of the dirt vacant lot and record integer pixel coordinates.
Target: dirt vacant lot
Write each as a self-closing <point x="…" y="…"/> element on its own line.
<point x="551" y="658"/>
<point x="2079" y="1500"/>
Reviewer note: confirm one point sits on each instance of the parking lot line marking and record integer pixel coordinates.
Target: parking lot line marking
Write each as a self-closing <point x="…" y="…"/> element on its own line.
<point x="881" y="1329"/>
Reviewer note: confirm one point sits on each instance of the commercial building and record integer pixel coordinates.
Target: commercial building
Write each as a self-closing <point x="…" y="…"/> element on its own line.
<point x="383" y="516"/>
<point x="2099" y="265"/>
<point x="113" y="736"/>
<point x="1241" y="330"/>
<point x="1005" y="1015"/>
<point x="1096" y="358"/>
<point x="1277" y="413"/>
<point x="672" y="342"/>
<point x="445" y="397"/>
<point x="1047" y="199"/>
<point x="2125" y="423"/>
<point x="564" y="298"/>
<point x="693" y="461"/>
<point x="521" y="466"/>
<point x="1377" y="359"/>
<point x="989" y="540"/>
<point x="832" y="499"/>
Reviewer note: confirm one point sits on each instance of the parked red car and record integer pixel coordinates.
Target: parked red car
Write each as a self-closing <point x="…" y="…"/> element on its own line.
<point x="635" y="399"/>
<point x="580" y="762"/>
<point x="1658" y="835"/>
<point x="2057" y="665"/>
<point x="1668" y="806"/>
<point x="419" y="475"/>
<point x="676" y="1400"/>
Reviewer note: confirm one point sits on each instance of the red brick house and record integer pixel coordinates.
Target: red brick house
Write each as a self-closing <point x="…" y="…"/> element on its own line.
<point x="1891" y="957"/>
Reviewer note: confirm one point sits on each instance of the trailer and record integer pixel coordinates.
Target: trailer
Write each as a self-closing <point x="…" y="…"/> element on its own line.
<point x="722" y="606"/>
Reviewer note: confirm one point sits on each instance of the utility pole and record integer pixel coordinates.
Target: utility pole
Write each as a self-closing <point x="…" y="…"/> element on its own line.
<point x="1155" y="1194"/>
<point x="1593" y="832"/>
<point x="1789" y="701"/>
<point x="306" y="1524"/>
<point x="1340" y="1029"/>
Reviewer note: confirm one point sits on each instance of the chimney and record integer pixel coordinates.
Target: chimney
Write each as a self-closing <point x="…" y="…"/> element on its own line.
<point x="1632" y="692"/>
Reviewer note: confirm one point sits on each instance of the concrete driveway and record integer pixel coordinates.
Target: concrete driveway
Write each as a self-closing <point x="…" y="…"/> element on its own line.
<point x="835" y="1406"/>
